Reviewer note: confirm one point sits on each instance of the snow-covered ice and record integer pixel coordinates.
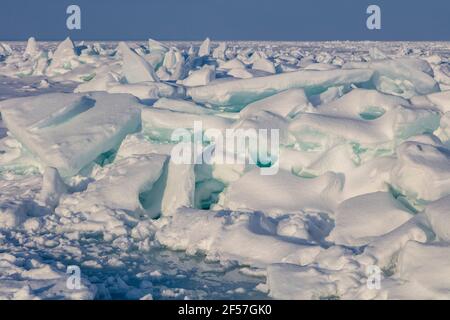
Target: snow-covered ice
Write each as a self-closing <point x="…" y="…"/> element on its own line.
<point x="88" y="176"/>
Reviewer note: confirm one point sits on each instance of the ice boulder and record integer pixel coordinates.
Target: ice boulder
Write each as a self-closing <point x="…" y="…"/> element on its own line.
<point x="68" y="131"/>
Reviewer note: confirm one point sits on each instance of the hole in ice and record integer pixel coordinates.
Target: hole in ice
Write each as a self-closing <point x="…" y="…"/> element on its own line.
<point x="372" y="113"/>
<point x="106" y="158"/>
<point x="207" y="189"/>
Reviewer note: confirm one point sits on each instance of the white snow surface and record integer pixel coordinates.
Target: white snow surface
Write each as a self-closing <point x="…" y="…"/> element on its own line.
<point x="87" y="177"/>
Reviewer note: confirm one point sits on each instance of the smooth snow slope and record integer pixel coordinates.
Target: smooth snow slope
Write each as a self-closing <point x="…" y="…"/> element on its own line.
<point x="87" y="177"/>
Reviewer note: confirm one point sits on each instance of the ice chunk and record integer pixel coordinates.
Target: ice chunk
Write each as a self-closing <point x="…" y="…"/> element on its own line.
<point x="264" y="120"/>
<point x="137" y="144"/>
<point x="289" y="281"/>
<point x="145" y="91"/>
<point x="173" y="67"/>
<point x="439" y="99"/>
<point x="358" y="220"/>
<point x="160" y="123"/>
<point x="64" y="58"/>
<point x="154" y="46"/>
<point x="101" y="82"/>
<point x="426" y="265"/>
<point x="281" y="193"/>
<point x="372" y="176"/>
<point x="52" y="188"/>
<point x="397" y="124"/>
<point x="284" y="104"/>
<point x="216" y="234"/>
<point x="219" y="52"/>
<point x="205" y="48"/>
<point x="320" y="67"/>
<point x="384" y="250"/>
<point x="199" y="77"/>
<point x="232" y="64"/>
<point x="68" y="131"/>
<point x="438" y="214"/>
<point x="32" y="49"/>
<point x="362" y="103"/>
<point x="135" y="68"/>
<point x="264" y="64"/>
<point x="182" y="106"/>
<point x="128" y="189"/>
<point x="422" y="171"/>
<point x="399" y="77"/>
<point x="180" y="187"/>
<point x="244" y="91"/>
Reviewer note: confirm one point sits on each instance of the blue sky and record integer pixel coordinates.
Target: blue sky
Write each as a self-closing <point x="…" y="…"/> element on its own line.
<point x="225" y="19"/>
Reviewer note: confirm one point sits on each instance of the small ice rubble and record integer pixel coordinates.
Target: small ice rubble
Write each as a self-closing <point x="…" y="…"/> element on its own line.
<point x="32" y="279"/>
<point x="68" y="131"/>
